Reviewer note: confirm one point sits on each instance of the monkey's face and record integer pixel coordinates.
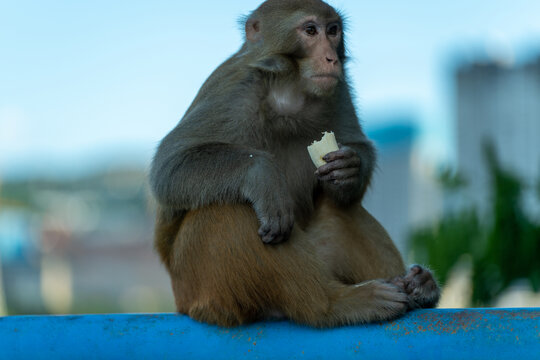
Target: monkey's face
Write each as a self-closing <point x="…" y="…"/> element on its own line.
<point x="303" y="38"/>
<point x="320" y="66"/>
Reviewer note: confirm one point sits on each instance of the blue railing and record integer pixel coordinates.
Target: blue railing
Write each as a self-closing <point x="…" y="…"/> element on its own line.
<point x="423" y="334"/>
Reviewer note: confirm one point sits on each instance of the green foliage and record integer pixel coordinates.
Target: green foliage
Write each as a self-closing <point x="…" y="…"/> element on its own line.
<point x="451" y="180"/>
<point x="503" y="248"/>
<point x="443" y="244"/>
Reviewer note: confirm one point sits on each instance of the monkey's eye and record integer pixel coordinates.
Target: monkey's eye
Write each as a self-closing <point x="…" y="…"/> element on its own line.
<point x="310" y="29"/>
<point x="333" y="30"/>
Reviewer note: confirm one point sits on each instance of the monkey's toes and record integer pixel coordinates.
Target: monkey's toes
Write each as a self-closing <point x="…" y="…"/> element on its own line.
<point x="421" y="287"/>
<point x="415" y="278"/>
<point x="416" y="269"/>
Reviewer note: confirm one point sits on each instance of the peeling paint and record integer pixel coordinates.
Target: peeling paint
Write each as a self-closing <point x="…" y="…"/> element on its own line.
<point x="428" y="334"/>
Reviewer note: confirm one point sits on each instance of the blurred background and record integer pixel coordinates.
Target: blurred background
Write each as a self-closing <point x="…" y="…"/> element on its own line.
<point x="448" y="91"/>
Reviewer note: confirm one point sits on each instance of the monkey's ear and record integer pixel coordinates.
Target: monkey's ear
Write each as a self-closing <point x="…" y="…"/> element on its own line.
<point x="276" y="64"/>
<point x="253" y="30"/>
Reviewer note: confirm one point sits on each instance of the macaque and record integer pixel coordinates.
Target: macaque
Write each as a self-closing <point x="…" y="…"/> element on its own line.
<point x="247" y="227"/>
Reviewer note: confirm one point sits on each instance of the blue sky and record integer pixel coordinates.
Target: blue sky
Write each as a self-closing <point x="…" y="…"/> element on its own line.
<point x="86" y="82"/>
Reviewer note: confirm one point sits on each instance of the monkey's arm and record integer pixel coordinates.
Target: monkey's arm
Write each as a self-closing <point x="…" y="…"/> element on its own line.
<point x="348" y="171"/>
<point x="191" y="175"/>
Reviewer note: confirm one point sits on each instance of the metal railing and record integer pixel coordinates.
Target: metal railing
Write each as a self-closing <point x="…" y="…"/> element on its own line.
<point x="422" y="334"/>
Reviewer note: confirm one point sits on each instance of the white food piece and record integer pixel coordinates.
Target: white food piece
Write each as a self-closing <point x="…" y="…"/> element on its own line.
<point x="322" y="147"/>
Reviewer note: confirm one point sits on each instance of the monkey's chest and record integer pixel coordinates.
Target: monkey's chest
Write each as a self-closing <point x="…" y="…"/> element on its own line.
<point x="285" y="101"/>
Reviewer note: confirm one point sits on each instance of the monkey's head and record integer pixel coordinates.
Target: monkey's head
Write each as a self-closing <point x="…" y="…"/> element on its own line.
<point x="298" y="38"/>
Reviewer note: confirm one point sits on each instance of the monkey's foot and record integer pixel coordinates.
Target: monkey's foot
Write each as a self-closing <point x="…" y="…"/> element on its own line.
<point x="420" y="286"/>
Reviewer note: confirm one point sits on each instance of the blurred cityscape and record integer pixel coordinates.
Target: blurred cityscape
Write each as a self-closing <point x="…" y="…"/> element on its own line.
<point x="475" y="221"/>
<point x="494" y="102"/>
<point x="84" y="245"/>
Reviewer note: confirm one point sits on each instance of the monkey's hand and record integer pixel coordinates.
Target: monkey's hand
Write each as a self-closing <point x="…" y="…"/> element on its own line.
<point x="420" y="286"/>
<point x="341" y="174"/>
<point x="276" y="217"/>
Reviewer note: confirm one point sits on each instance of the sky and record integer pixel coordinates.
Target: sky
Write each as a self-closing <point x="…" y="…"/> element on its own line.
<point x="87" y="83"/>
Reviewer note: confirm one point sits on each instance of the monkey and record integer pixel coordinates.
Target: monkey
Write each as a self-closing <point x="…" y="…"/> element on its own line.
<point x="247" y="228"/>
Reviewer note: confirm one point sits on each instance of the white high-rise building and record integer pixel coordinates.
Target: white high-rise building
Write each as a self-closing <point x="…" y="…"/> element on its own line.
<point x="500" y="104"/>
<point x="403" y="192"/>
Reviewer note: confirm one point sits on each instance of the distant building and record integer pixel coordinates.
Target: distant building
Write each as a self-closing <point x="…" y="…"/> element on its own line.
<point x="16" y="237"/>
<point x="501" y="104"/>
<point x="402" y="193"/>
<point x="80" y="245"/>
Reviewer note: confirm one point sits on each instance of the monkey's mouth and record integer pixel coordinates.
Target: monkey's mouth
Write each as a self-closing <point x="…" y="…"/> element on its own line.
<point x="325" y="80"/>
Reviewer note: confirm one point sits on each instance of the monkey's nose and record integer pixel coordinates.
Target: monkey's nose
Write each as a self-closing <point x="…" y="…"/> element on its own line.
<point x="331" y="59"/>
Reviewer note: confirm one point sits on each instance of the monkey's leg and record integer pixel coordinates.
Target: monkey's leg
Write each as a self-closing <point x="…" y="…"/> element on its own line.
<point x="364" y="251"/>
<point x="360" y="258"/>
<point x="353" y="244"/>
<point x="220" y="270"/>
<point x="371" y="254"/>
<point x="221" y="273"/>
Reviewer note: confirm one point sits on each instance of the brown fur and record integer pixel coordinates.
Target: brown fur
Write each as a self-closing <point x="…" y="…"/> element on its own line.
<point x="236" y="171"/>
<point x="222" y="273"/>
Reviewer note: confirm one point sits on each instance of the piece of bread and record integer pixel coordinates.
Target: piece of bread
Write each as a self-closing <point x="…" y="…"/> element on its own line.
<point x="322" y="147"/>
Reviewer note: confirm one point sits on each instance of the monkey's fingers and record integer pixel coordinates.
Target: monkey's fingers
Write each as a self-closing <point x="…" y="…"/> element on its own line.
<point x="264" y="229"/>
<point x="338" y="164"/>
<point x="269" y="232"/>
<point x="341" y="175"/>
<point x="342" y="153"/>
<point x="276" y="230"/>
<point x="273" y="237"/>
